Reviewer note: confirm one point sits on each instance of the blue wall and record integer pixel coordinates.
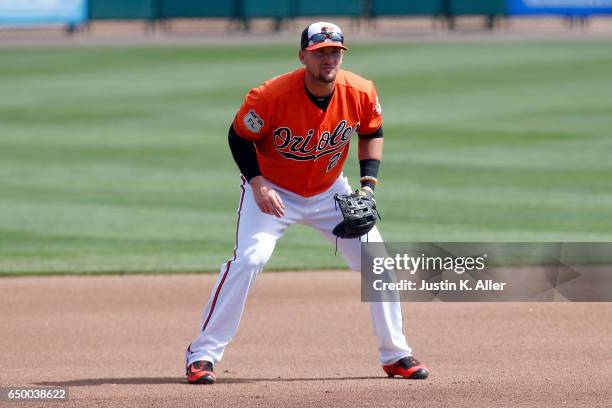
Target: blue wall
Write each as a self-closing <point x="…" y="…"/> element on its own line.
<point x="560" y="7"/>
<point x="32" y="12"/>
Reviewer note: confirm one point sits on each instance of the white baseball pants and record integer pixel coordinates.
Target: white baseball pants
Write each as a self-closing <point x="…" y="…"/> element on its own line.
<point x="256" y="237"/>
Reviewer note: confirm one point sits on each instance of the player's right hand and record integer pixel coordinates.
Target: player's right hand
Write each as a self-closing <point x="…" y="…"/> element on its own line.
<point x="268" y="200"/>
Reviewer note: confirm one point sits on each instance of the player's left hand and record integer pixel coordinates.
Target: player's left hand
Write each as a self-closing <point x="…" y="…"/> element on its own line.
<point x="358" y="212"/>
<point x="366" y="192"/>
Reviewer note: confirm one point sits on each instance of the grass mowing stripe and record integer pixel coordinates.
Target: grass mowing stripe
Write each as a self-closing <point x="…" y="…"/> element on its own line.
<point x="115" y="160"/>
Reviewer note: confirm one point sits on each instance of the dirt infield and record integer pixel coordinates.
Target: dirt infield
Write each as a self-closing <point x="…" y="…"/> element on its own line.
<point x="305" y="340"/>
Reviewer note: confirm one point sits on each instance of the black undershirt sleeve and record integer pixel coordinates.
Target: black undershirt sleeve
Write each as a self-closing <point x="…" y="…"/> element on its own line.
<point x="369" y="168"/>
<point x="244" y="154"/>
<point x="378" y="133"/>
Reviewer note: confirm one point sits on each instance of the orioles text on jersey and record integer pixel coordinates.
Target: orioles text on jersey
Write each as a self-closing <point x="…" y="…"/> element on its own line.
<point x="297" y="147"/>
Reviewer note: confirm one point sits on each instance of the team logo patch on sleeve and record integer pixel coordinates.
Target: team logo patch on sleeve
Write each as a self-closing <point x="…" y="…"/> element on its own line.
<point x="377" y="107"/>
<point x="252" y="121"/>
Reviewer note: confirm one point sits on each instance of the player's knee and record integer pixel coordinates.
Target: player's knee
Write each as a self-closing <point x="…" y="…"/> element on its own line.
<point x="255" y="261"/>
<point x="255" y="252"/>
<point x="256" y="256"/>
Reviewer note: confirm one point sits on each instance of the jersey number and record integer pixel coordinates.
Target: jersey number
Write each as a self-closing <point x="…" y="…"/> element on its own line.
<point x="333" y="161"/>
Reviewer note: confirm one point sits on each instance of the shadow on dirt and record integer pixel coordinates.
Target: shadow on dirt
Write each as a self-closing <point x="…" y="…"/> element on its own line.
<point x="91" y="382"/>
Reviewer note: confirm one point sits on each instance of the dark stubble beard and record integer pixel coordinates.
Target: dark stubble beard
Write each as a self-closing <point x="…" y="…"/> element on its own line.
<point x="327" y="79"/>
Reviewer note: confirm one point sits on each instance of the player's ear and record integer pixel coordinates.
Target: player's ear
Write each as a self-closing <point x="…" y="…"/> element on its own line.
<point x="302" y="55"/>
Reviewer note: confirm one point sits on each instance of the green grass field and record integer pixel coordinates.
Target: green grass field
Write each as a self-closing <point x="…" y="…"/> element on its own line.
<point x="115" y="159"/>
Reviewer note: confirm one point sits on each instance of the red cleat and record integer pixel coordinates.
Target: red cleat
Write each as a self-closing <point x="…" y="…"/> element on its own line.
<point x="201" y="372"/>
<point x="407" y="367"/>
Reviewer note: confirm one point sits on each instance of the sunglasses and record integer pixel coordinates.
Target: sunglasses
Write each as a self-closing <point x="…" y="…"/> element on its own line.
<point x="321" y="37"/>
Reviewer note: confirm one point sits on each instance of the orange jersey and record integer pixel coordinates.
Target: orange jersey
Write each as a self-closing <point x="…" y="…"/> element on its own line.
<point x="300" y="147"/>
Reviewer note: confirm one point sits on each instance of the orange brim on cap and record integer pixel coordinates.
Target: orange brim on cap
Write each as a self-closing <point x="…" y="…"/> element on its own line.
<point x="326" y="44"/>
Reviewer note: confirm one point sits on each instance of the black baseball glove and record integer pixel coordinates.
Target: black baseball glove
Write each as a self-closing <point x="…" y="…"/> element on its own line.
<point x="359" y="213"/>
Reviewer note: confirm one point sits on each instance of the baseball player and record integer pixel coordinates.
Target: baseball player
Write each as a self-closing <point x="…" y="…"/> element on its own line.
<point x="290" y="140"/>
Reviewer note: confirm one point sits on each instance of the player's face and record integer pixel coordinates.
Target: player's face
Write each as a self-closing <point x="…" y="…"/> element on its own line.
<point x="323" y="64"/>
